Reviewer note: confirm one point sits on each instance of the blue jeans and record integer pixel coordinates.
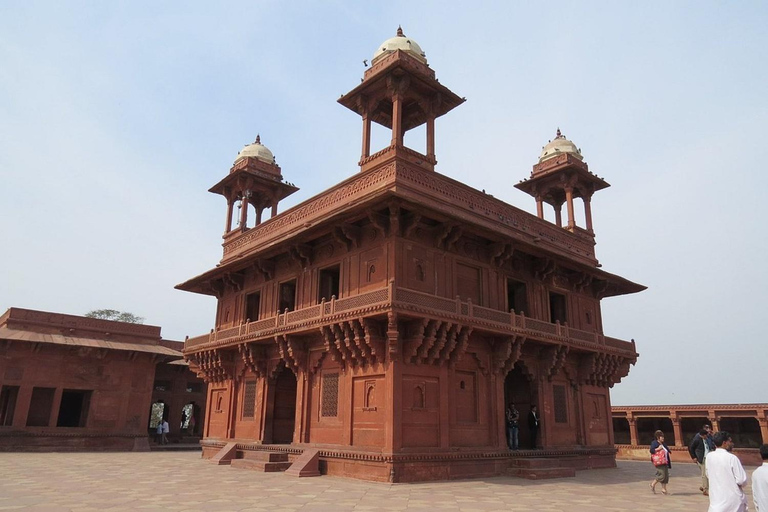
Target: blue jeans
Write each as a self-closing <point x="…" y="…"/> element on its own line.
<point x="512" y="437"/>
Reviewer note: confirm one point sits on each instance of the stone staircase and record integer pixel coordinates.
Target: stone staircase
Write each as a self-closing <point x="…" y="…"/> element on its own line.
<point x="538" y="468"/>
<point x="263" y="461"/>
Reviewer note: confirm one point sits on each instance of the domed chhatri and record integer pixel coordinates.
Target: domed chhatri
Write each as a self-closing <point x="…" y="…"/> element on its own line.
<point x="257" y="150"/>
<point x="558" y="146"/>
<point x="400" y="42"/>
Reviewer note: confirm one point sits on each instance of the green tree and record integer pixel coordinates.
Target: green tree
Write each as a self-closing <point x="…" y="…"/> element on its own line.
<point x="113" y="314"/>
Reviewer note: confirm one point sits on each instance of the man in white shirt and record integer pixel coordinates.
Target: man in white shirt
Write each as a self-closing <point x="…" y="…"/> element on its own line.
<point x="726" y="477"/>
<point x="760" y="482"/>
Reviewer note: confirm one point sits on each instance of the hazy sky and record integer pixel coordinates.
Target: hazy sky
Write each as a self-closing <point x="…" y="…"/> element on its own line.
<point x="116" y="118"/>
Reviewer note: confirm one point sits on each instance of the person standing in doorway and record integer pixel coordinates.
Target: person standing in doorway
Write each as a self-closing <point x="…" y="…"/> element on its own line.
<point x="726" y="477"/>
<point x="513" y="426"/>
<point x="760" y="482"/>
<point x="166" y="428"/>
<point x="700" y="446"/>
<point x="533" y="425"/>
<point x="159" y="433"/>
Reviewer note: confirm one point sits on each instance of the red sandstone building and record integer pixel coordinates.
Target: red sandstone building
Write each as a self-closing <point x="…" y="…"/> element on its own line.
<point x="388" y="320"/>
<point x="75" y="383"/>
<point x="633" y="428"/>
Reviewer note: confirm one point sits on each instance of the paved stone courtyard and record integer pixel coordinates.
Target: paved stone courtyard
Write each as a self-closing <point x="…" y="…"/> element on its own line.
<point x="181" y="481"/>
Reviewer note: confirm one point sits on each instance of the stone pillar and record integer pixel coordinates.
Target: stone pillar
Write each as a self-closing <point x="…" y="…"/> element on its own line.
<point x="632" y="431"/>
<point x="588" y="212"/>
<point x="715" y="421"/>
<point x="243" y="212"/>
<point x="431" y="137"/>
<point x="559" y="215"/>
<point x="763" y="429"/>
<point x="259" y="210"/>
<point x="397" y="120"/>
<point x="274" y="209"/>
<point x="539" y="207"/>
<point x="366" y="136"/>
<point x="678" y="432"/>
<point x="569" y="203"/>
<point x="228" y="224"/>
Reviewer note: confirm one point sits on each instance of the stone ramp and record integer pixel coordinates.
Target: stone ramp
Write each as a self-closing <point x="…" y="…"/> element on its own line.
<point x="308" y="464"/>
<point x="539" y="468"/>
<point x="263" y="461"/>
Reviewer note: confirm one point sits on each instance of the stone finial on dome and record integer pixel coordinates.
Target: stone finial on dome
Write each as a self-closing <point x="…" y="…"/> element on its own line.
<point x="558" y="146"/>
<point x="400" y="42"/>
<point x="258" y="151"/>
<point x="258" y="137"/>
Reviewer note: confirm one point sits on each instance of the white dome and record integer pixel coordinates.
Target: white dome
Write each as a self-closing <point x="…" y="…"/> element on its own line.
<point x="258" y="151"/>
<point x="558" y="146"/>
<point x="400" y="42"/>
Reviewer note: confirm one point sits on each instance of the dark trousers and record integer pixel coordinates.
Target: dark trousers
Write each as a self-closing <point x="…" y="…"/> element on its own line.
<point x="534" y="436"/>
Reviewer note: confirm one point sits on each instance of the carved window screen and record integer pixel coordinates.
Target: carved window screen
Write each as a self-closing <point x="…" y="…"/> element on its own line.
<point x="249" y="399"/>
<point x="330" y="397"/>
<point x="561" y="404"/>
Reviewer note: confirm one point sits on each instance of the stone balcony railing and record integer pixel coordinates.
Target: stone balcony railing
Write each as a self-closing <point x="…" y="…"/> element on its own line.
<point x="404" y="300"/>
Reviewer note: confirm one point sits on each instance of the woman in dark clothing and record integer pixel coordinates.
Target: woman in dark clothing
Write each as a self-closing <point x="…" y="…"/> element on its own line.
<point x="662" y="470"/>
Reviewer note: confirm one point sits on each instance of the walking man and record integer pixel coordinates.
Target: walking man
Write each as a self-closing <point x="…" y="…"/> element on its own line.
<point x="726" y="477"/>
<point x="700" y="446"/>
<point x="760" y="482"/>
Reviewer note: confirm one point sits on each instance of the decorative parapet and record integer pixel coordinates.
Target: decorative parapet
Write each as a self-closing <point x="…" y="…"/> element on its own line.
<point x="438" y="189"/>
<point x="449" y="312"/>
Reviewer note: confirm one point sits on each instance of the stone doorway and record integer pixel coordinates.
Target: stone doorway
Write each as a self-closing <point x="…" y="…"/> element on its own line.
<point x="517" y="389"/>
<point x="284" y="407"/>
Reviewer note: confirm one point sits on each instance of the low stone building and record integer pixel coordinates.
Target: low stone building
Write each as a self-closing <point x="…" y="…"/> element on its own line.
<point x="633" y="428"/>
<point x="75" y="383"/>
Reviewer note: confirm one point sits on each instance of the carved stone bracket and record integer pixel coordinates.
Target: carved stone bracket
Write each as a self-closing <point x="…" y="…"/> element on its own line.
<point x="394" y="219"/>
<point x="348" y="235"/>
<point x="543" y="268"/>
<point x="254" y="358"/>
<point x="582" y="281"/>
<point x="410" y="222"/>
<point x="603" y="369"/>
<point x="234" y="280"/>
<point x="378" y="221"/>
<point x="435" y="342"/>
<point x="447" y="234"/>
<point x="553" y="359"/>
<point x="292" y="352"/>
<point x="211" y="365"/>
<point x="264" y="267"/>
<point x="500" y="253"/>
<point x="358" y="342"/>
<point x="506" y="352"/>
<point x="301" y="254"/>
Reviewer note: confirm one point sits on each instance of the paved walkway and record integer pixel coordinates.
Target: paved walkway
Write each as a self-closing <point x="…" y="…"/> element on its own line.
<point x="181" y="481"/>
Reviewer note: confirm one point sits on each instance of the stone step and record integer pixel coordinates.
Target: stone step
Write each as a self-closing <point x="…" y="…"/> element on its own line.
<point x="263" y="456"/>
<point x="536" y="462"/>
<point x="260" y="465"/>
<point x="542" y="473"/>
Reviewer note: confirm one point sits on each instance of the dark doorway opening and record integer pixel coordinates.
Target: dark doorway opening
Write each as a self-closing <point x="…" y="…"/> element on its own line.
<point x="517" y="389"/>
<point x="646" y="427"/>
<point x="287" y="296"/>
<point x="284" y="409"/>
<point x="690" y="427"/>
<point x="8" y="404"/>
<point x="621" y="434"/>
<point x="73" y="409"/>
<point x="252" y="305"/>
<point x="557" y="309"/>
<point x="517" y="297"/>
<point x="40" y="407"/>
<point x="328" y="283"/>
<point x="744" y="431"/>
